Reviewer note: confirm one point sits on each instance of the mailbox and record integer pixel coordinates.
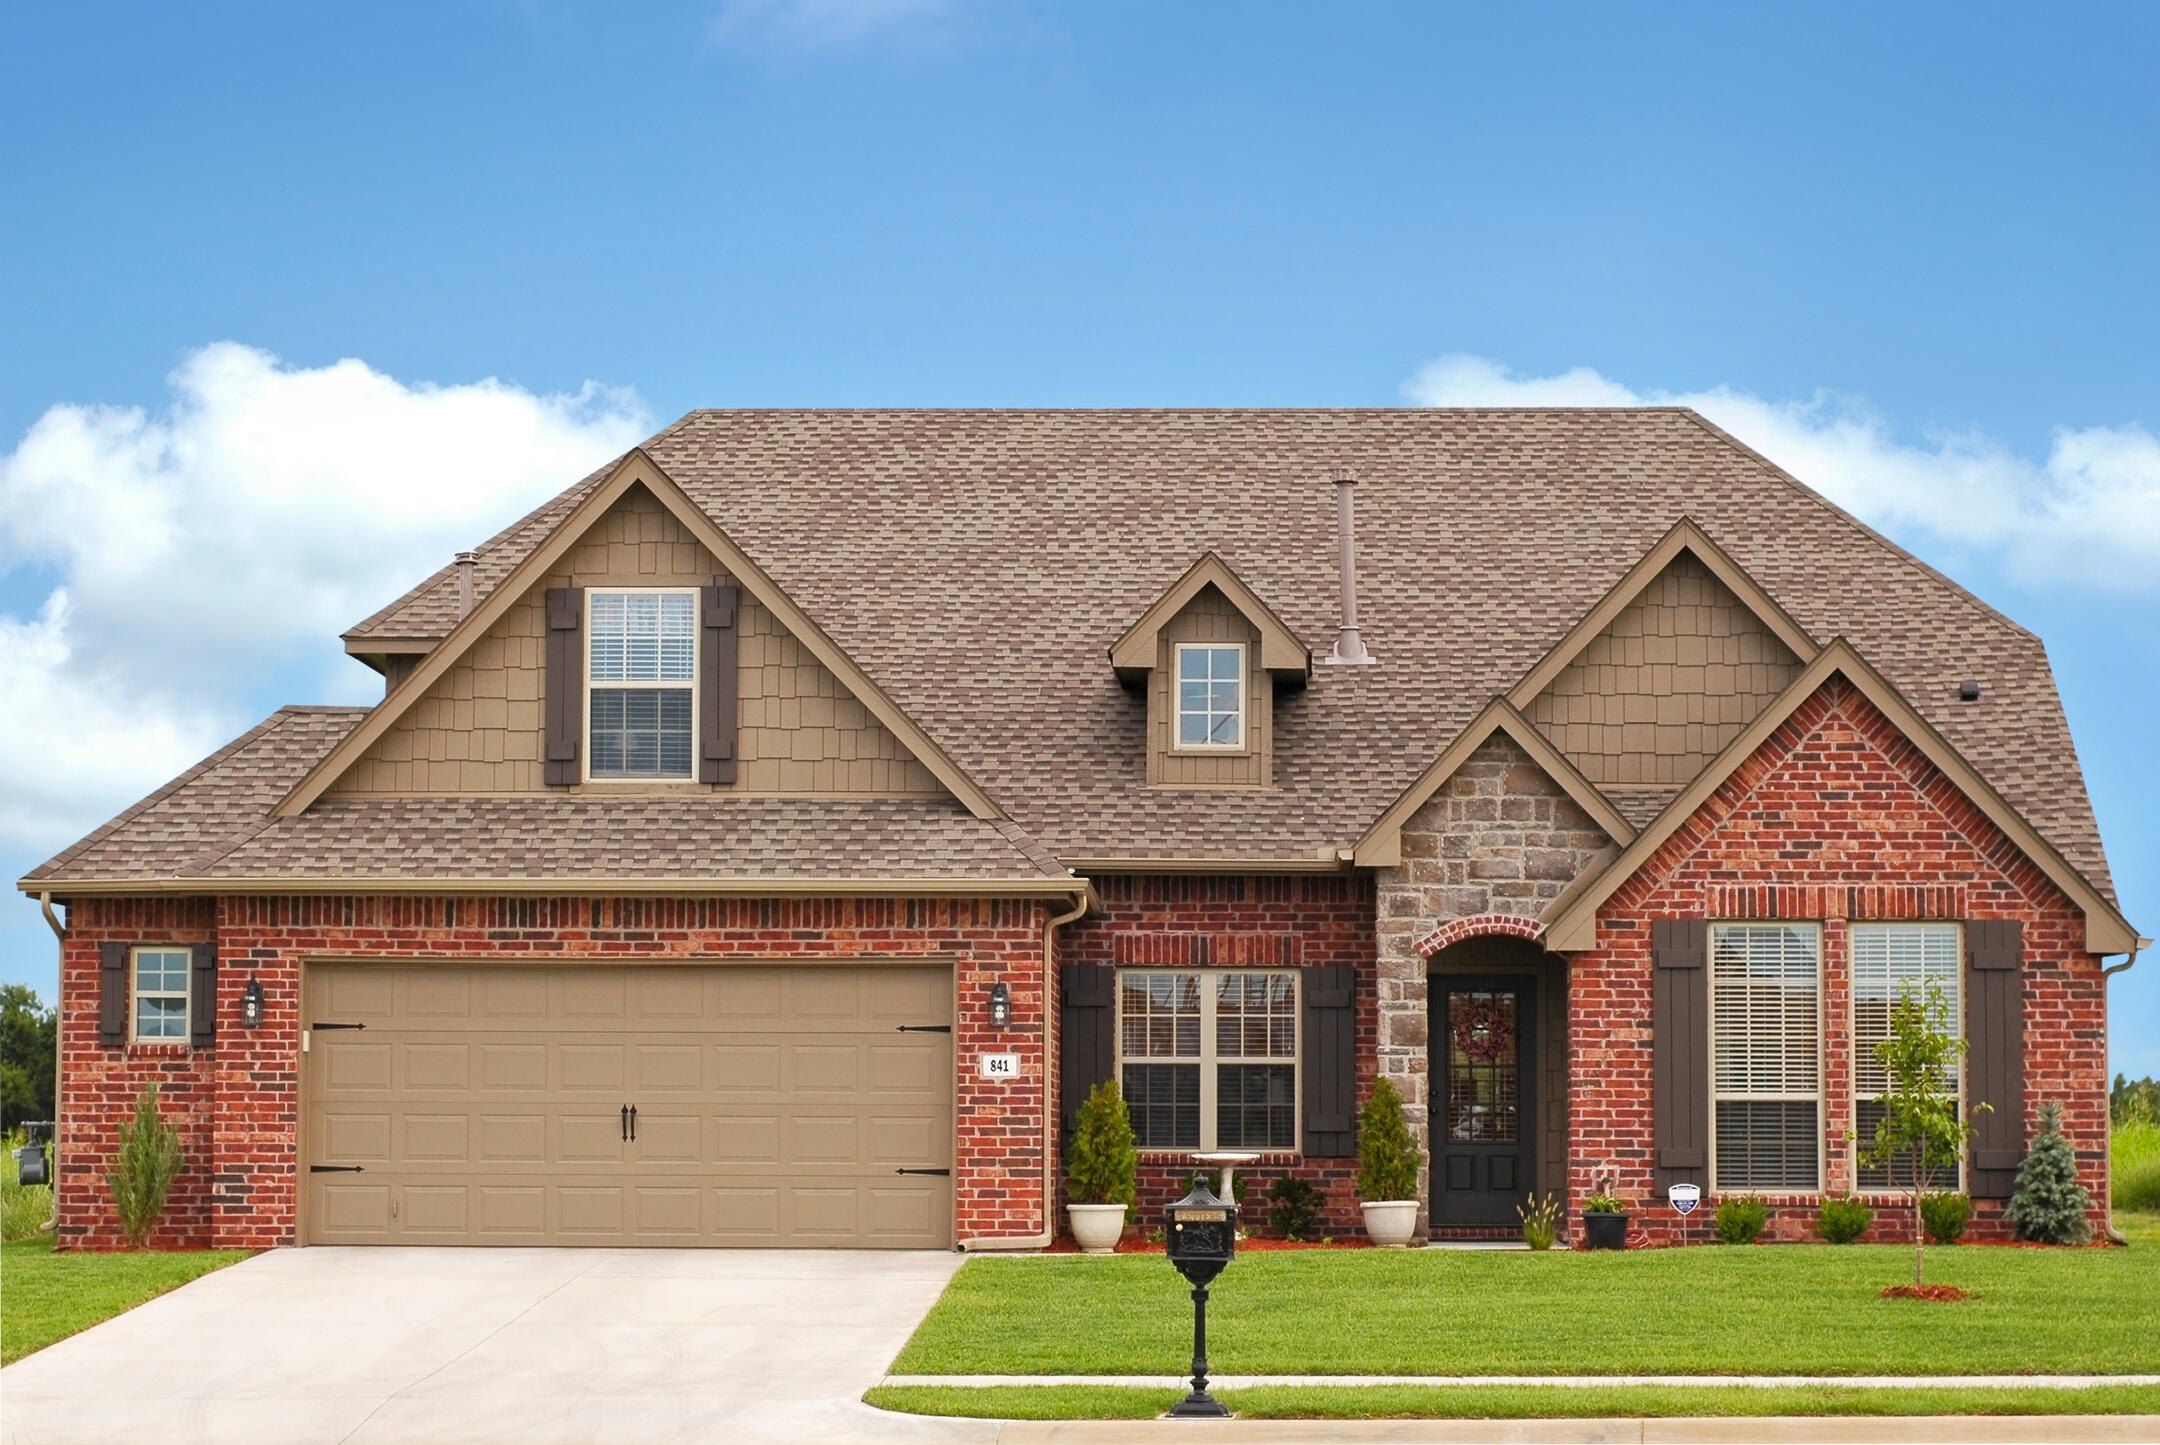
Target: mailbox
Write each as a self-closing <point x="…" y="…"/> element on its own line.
<point x="1202" y="1234"/>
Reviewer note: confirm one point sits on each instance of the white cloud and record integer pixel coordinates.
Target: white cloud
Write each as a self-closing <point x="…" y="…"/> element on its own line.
<point x="812" y="25"/>
<point x="2089" y="514"/>
<point x="227" y="540"/>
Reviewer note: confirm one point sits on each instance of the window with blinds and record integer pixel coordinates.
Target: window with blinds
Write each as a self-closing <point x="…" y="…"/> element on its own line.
<point x="1892" y="961"/>
<point x="1766" y="1056"/>
<point x="641" y="673"/>
<point x="1208" y="1059"/>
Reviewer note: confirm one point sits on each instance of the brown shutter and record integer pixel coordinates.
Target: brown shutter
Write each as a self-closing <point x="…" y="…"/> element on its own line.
<point x="202" y="996"/>
<point x="1680" y="1050"/>
<point x="1087" y="1036"/>
<point x="1995" y="1053"/>
<point x="716" y="686"/>
<point x="564" y="710"/>
<point x="1330" y="1059"/>
<point x="112" y="994"/>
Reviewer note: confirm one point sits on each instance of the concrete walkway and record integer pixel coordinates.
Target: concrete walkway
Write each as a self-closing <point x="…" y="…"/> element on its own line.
<point x="377" y="1346"/>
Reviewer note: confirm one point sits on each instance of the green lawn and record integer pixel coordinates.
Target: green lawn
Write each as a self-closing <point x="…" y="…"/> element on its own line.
<point x="1784" y="1309"/>
<point x="46" y="1296"/>
<point x="1489" y="1402"/>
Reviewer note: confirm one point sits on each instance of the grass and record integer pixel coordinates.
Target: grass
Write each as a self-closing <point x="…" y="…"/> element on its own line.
<point x="2134" y="1164"/>
<point x="46" y="1296"/>
<point x="1508" y="1402"/>
<point x="1785" y="1309"/>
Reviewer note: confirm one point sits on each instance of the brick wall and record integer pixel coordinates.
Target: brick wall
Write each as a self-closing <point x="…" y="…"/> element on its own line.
<point x="1836" y="819"/>
<point x="237" y="1103"/>
<point x="1218" y="921"/>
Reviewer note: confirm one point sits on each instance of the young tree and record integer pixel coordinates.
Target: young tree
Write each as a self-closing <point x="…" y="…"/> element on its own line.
<point x="2049" y="1204"/>
<point x="143" y="1168"/>
<point x="1920" y="1128"/>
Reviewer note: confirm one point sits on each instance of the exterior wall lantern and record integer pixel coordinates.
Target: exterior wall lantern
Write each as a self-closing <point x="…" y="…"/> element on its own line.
<point x="251" y="1003"/>
<point x="1202" y="1234"/>
<point x="1000" y="1005"/>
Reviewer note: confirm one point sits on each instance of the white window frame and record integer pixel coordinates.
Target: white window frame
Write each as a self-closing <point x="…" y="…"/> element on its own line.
<point x="1721" y="1096"/>
<point x="1177" y="709"/>
<point x="1210" y="1058"/>
<point x="137" y="993"/>
<point x="1861" y="1050"/>
<point x="697" y="659"/>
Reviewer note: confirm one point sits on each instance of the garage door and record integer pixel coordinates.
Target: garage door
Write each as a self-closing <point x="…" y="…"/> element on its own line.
<point x="802" y="1106"/>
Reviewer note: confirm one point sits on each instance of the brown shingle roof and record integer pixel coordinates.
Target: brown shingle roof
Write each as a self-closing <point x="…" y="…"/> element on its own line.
<point x="978" y="564"/>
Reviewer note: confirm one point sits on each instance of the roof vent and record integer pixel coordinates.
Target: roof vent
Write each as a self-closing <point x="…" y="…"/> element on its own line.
<point x="465" y="588"/>
<point x="1968" y="691"/>
<point x="1349" y="647"/>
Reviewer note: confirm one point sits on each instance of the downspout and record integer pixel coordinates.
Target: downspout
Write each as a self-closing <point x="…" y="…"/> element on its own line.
<point x="59" y="1051"/>
<point x="2116" y="1236"/>
<point x="1049" y="1137"/>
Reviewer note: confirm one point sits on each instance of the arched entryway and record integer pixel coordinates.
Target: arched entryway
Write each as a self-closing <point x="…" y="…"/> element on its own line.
<point x="1498" y="1072"/>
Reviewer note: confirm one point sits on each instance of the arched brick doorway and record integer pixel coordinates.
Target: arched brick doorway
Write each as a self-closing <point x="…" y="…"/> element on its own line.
<point x="1498" y="1070"/>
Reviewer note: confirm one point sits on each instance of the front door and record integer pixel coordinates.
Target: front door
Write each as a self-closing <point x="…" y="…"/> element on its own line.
<point x="1483" y="1069"/>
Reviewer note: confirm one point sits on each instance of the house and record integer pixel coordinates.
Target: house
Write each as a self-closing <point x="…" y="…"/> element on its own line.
<point x="770" y="839"/>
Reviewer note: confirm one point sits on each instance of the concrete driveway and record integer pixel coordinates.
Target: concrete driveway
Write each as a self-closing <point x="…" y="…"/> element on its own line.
<point x="371" y="1346"/>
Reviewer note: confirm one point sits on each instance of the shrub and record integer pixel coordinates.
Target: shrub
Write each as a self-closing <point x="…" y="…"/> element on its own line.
<point x="1294" y="1207"/>
<point x="1946" y="1216"/>
<point x="1212" y="1178"/>
<point x="1740" y="1218"/>
<point x="1540" y="1221"/>
<point x="1841" y="1221"/>
<point x="2134" y="1165"/>
<point x="1388" y="1158"/>
<point x="1099" y="1168"/>
<point x="2049" y="1205"/>
<point x="144" y="1167"/>
<point x="2134" y="1101"/>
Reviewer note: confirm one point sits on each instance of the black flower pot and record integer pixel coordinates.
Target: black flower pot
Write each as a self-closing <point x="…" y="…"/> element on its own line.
<point x="1604" y="1231"/>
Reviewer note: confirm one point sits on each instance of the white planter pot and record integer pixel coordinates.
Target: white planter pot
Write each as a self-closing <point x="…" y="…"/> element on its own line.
<point x="1096" y="1227"/>
<point x="1391" y="1222"/>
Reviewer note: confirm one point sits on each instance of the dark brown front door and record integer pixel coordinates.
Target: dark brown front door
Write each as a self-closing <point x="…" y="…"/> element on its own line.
<point x="1483" y="1056"/>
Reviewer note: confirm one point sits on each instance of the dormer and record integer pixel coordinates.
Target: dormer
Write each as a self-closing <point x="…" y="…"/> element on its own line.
<point x="1209" y="656"/>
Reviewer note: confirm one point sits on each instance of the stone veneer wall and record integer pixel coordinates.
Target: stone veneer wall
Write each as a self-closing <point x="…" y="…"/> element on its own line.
<point x="1500" y="837"/>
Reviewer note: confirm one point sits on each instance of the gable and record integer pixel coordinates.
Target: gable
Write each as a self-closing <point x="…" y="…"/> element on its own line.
<point x="1667" y="683"/>
<point x="1210" y="616"/>
<point x="1279" y="650"/>
<point x="478" y="728"/>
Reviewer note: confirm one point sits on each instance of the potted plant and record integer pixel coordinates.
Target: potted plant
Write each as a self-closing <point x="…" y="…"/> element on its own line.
<point x="1605" y="1213"/>
<point x="1099" y="1170"/>
<point x="1388" y="1164"/>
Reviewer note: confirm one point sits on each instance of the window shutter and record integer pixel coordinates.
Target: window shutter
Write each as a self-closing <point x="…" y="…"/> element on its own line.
<point x="112" y="994"/>
<point x="1680" y="1048"/>
<point x="202" y="996"/>
<point x="1995" y="1059"/>
<point x="1087" y="1036"/>
<point x="564" y="709"/>
<point x="716" y="687"/>
<point x="1330" y="1059"/>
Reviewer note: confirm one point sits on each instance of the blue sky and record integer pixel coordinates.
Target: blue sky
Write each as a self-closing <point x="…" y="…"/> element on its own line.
<point x="1909" y="250"/>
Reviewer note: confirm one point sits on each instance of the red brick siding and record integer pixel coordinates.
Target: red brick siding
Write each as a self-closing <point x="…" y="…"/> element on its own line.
<point x="1836" y="818"/>
<point x="237" y="1103"/>
<point x="1233" y="921"/>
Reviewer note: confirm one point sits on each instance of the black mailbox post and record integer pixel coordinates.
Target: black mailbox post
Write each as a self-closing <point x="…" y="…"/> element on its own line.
<point x="1202" y="1231"/>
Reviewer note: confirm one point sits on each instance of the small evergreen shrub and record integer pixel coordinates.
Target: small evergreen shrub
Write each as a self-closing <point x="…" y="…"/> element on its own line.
<point x="1740" y="1218"/>
<point x="1100" y="1166"/>
<point x="1540" y="1221"/>
<point x="1946" y="1216"/>
<point x="1388" y="1158"/>
<point x="1294" y="1207"/>
<point x="2049" y="1205"/>
<point x="1842" y="1220"/>
<point x="143" y="1168"/>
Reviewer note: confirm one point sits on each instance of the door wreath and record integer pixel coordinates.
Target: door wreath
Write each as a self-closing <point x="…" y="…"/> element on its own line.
<point x="1484" y="1031"/>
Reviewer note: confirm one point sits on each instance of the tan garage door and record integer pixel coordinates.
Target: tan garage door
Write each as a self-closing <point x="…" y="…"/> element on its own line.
<point x="784" y="1106"/>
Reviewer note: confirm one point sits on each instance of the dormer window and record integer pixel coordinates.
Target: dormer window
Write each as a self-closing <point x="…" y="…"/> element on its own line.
<point x="641" y="683"/>
<point x="1210" y="695"/>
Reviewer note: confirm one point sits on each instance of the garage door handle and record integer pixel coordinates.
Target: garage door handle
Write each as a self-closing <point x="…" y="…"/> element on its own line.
<point x="947" y="1173"/>
<point x="338" y="1026"/>
<point x="335" y="1169"/>
<point x="923" y="1029"/>
<point x="633" y="1123"/>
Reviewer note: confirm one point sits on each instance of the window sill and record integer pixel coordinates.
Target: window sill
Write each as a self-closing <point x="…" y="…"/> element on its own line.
<point x="1275" y="1159"/>
<point x="163" y="1049"/>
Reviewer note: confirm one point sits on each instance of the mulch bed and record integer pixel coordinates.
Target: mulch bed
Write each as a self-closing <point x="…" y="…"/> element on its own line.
<point x="1133" y="1244"/>
<point x="1940" y="1293"/>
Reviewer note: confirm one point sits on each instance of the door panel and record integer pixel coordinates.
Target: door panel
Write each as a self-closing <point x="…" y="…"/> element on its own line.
<point x="1484" y="1119"/>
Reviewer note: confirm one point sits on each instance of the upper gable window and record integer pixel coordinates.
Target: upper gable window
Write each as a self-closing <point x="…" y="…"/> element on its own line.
<point x="1210" y="695"/>
<point x="641" y="682"/>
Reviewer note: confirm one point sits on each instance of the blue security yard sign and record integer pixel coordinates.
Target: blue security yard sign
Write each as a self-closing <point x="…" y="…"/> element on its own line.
<point x="1684" y="1197"/>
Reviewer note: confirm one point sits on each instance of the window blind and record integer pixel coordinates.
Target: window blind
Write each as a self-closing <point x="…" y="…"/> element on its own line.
<point x="1766" y="1055"/>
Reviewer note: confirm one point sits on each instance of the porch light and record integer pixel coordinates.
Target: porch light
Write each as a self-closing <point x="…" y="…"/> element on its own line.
<point x="251" y="1003"/>
<point x="1000" y="1005"/>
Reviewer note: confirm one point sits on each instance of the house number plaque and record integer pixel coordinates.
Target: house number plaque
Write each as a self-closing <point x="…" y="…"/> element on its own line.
<point x="1000" y="1066"/>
